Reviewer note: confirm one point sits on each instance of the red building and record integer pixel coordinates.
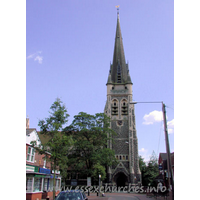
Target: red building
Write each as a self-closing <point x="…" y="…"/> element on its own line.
<point x="39" y="176"/>
<point x="162" y="162"/>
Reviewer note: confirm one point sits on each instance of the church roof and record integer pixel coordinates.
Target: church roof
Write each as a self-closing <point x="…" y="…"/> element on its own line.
<point x="119" y="72"/>
<point x="164" y="155"/>
<point x="29" y="130"/>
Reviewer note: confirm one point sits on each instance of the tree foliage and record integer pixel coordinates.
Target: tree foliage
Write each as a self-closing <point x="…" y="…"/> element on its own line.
<point x="90" y="134"/>
<point x="99" y="170"/>
<point x="149" y="170"/>
<point x="57" y="143"/>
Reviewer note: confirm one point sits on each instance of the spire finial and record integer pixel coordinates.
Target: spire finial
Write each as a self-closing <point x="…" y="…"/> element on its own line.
<point x="117" y="9"/>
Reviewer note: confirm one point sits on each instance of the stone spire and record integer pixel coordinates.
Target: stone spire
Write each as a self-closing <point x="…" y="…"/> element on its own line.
<point x="119" y="72"/>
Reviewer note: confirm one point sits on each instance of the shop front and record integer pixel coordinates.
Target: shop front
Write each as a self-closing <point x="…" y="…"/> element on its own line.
<point x="39" y="183"/>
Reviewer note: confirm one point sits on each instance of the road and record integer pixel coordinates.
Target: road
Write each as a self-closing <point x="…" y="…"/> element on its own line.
<point x="119" y="196"/>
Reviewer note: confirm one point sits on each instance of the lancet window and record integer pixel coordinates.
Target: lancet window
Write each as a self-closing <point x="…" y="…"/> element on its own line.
<point x="124" y="107"/>
<point x="114" y="107"/>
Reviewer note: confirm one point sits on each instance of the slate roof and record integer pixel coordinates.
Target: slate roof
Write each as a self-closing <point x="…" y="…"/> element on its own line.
<point x="164" y="155"/>
<point x="119" y="68"/>
<point x="29" y="130"/>
<point x="43" y="138"/>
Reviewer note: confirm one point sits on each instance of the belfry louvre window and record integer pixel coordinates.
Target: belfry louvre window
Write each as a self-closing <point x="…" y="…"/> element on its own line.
<point x="114" y="107"/>
<point x="118" y="74"/>
<point x="124" y="107"/>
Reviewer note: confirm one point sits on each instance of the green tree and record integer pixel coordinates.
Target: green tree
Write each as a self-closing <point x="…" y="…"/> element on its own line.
<point x="90" y="134"/>
<point x="99" y="170"/>
<point x="58" y="143"/>
<point x="143" y="169"/>
<point x="151" y="170"/>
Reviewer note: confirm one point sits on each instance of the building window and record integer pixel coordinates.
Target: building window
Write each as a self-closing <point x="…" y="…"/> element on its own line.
<point x="124" y="107"/>
<point x="44" y="165"/>
<point x="30" y="154"/>
<point x="45" y="186"/>
<point x="29" y="182"/>
<point x="37" y="184"/>
<point x="114" y="107"/>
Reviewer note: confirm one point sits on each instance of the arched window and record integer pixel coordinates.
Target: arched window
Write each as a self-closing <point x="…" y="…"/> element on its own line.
<point x="114" y="107"/>
<point x="124" y="107"/>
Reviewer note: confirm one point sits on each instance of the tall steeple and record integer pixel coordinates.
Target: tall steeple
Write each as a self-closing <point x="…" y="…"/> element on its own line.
<point x="119" y="72"/>
<point x="121" y="112"/>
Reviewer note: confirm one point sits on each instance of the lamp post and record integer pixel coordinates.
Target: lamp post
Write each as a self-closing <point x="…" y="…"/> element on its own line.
<point x="99" y="183"/>
<point x="169" y="166"/>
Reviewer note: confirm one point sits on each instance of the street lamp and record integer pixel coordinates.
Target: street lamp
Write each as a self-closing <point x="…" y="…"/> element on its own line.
<point x="99" y="183"/>
<point x="169" y="166"/>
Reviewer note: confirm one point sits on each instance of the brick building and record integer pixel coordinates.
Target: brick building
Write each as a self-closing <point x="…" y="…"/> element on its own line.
<point x="39" y="176"/>
<point x="162" y="162"/>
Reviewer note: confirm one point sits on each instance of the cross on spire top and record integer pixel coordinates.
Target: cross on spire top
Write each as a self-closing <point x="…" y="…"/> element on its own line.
<point x="117" y="9"/>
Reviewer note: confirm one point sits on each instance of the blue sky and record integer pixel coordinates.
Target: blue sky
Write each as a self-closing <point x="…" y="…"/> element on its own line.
<point x="69" y="47"/>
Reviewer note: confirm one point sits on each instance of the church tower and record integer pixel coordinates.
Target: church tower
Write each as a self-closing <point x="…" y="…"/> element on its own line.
<point x="121" y="112"/>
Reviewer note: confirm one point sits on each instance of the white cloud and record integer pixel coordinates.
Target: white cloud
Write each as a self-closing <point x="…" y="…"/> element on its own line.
<point x="152" y="117"/>
<point x="39" y="59"/>
<point x="144" y="153"/>
<point x="157" y="116"/>
<point x="170" y="126"/>
<point x="142" y="150"/>
<point x="36" y="56"/>
<point x="30" y="56"/>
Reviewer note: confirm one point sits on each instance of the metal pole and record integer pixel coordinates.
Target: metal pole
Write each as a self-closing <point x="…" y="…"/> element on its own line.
<point x="99" y="183"/>
<point x="169" y="166"/>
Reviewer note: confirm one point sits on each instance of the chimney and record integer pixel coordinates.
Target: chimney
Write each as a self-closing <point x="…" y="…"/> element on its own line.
<point x="27" y="122"/>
